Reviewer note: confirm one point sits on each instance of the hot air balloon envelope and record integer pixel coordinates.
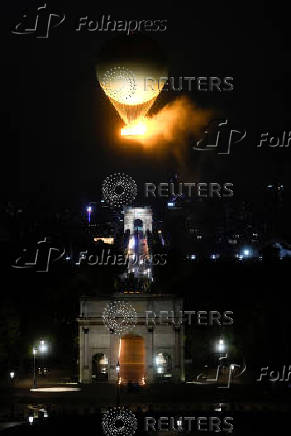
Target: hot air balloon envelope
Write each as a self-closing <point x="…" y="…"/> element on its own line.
<point x="129" y="72"/>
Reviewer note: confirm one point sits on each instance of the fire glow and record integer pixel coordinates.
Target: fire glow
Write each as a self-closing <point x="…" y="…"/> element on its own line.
<point x="134" y="129"/>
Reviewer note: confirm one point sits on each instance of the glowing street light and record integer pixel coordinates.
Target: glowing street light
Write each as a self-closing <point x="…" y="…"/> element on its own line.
<point x="41" y="349"/>
<point x="117" y="368"/>
<point x="89" y="210"/>
<point x="34" y="352"/>
<point x="221" y="345"/>
<point x="179" y="423"/>
<point x="12" y="375"/>
<point x="30" y="420"/>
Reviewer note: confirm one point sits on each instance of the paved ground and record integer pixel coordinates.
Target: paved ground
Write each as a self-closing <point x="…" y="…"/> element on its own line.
<point x="162" y="396"/>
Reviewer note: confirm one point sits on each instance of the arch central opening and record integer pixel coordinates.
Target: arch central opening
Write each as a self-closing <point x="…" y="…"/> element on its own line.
<point x="132" y="356"/>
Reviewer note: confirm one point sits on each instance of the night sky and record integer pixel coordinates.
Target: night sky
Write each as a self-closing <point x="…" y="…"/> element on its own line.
<point x="58" y="126"/>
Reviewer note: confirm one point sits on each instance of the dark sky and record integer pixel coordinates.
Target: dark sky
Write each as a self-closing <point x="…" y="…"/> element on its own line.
<point x="57" y="134"/>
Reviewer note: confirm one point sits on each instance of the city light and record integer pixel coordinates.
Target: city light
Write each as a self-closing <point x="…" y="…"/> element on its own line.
<point x="12" y="375"/>
<point x="30" y="420"/>
<point x="55" y="389"/>
<point x="109" y="241"/>
<point x="89" y="210"/>
<point x="43" y="348"/>
<point x="221" y="346"/>
<point x="179" y="422"/>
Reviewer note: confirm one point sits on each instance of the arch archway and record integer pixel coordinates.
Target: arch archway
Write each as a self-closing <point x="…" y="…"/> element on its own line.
<point x="99" y="367"/>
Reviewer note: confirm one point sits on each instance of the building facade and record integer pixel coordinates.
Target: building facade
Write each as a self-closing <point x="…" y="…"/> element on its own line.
<point x="152" y="349"/>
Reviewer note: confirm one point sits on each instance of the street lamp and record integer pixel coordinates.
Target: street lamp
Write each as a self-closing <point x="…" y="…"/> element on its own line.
<point x="41" y="349"/>
<point x="221" y="345"/>
<point x="12" y="375"/>
<point x="34" y="352"/>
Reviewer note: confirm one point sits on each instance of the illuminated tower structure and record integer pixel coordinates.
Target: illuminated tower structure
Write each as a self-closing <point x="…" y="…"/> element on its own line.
<point x="137" y="227"/>
<point x="151" y="348"/>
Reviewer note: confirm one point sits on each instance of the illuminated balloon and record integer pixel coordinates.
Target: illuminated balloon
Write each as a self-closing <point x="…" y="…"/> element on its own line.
<point x="132" y="72"/>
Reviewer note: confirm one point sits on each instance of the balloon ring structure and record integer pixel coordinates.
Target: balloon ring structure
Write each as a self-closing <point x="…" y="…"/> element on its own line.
<point x="119" y="190"/>
<point x="119" y="83"/>
<point x="119" y="317"/>
<point x="119" y="421"/>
